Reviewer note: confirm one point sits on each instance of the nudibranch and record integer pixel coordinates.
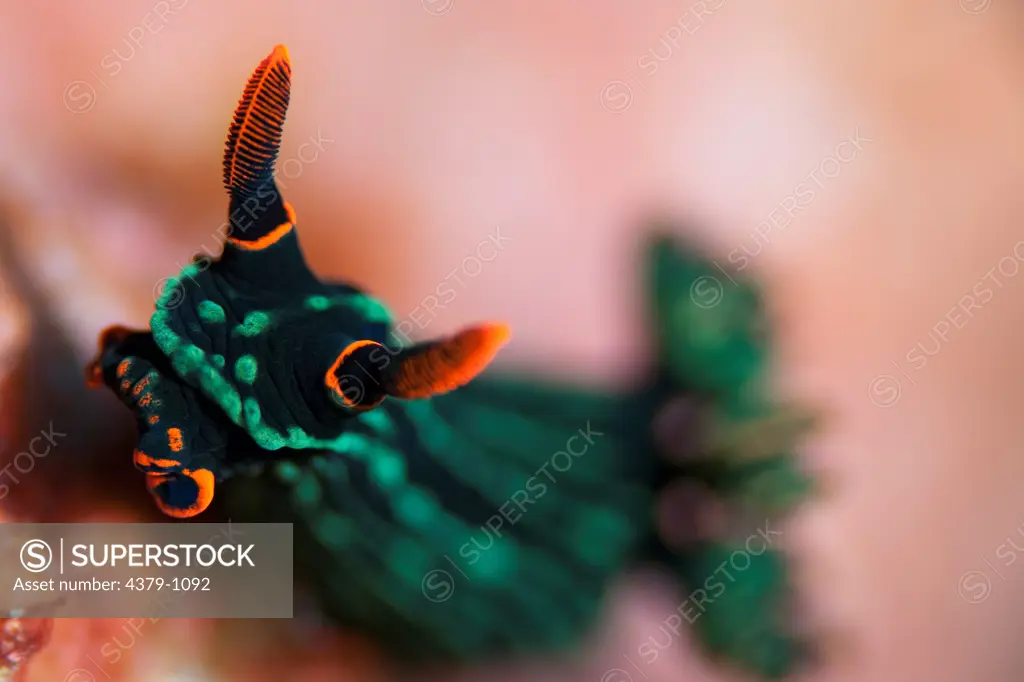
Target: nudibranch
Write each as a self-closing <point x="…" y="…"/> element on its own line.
<point x="447" y="516"/>
<point x="259" y="337"/>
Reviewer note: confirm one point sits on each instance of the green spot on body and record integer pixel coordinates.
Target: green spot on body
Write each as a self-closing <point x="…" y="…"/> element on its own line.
<point x="379" y="421"/>
<point x="162" y="332"/>
<point x="416" y="508"/>
<point x="495" y="563"/>
<point x="388" y="469"/>
<point x="211" y="312"/>
<point x="307" y="492"/>
<point x="267" y="438"/>
<point x="246" y="368"/>
<point x="333" y="530"/>
<point x="289" y="472"/>
<point x="409" y="559"/>
<point x="354" y="445"/>
<point x="232" y="404"/>
<point x="332" y="470"/>
<point x="318" y="303"/>
<point x="187" y="359"/>
<point x="254" y="323"/>
<point x="220" y="391"/>
<point x="599" y="535"/>
<point x="370" y="308"/>
<point x="253" y="415"/>
<point x="214" y="385"/>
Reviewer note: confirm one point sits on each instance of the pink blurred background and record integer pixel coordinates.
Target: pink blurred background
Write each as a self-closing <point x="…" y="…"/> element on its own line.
<point x="417" y="130"/>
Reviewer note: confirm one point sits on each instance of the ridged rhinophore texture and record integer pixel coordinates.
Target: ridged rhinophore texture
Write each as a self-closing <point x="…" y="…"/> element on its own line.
<point x="254" y="137"/>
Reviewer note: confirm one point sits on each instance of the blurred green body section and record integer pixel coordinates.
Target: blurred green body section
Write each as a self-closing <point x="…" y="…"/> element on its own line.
<point x="489" y="522"/>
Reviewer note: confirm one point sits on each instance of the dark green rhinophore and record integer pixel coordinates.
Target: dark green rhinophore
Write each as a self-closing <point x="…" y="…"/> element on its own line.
<point x="451" y="517"/>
